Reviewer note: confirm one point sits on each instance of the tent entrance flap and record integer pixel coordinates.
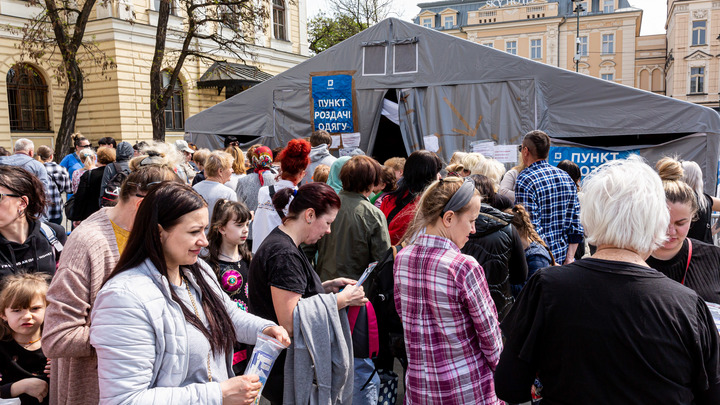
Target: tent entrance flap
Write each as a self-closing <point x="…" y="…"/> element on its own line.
<point x="453" y="116"/>
<point x="387" y="139"/>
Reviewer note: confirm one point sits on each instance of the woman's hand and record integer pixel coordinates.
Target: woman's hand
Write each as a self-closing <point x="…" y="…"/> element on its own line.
<point x="351" y="296"/>
<point x="34" y="387"/>
<point x="279" y="333"/>
<point x="241" y="390"/>
<point x="334" y="286"/>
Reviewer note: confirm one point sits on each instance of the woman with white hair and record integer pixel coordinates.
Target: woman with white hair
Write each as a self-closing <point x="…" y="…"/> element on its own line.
<point x="701" y="227"/>
<point x="609" y="329"/>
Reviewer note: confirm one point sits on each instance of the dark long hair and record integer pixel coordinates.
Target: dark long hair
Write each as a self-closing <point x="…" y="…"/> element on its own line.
<point x="318" y="196"/>
<point x="22" y="182"/>
<point x="165" y="205"/>
<point x="223" y="212"/>
<point x="421" y="169"/>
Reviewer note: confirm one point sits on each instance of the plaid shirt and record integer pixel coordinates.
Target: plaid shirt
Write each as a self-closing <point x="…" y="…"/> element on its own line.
<point x="550" y="197"/>
<point x="60" y="182"/>
<point x="452" y="334"/>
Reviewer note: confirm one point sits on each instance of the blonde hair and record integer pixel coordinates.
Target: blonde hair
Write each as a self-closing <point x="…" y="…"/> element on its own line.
<point x="200" y="156"/>
<point x="396" y="163"/>
<point x="457" y="157"/>
<point x="490" y="168"/>
<point x="87" y="157"/>
<point x="18" y="292"/>
<point x="321" y="174"/>
<point x="158" y="154"/>
<point x="431" y="204"/>
<point x="473" y="162"/>
<point x="238" y="164"/>
<point x="455" y="168"/>
<point x="676" y="190"/>
<point x="217" y="161"/>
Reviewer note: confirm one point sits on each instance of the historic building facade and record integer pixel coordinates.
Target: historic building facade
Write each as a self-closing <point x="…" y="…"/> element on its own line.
<point x="118" y="105"/>
<point x="609" y="45"/>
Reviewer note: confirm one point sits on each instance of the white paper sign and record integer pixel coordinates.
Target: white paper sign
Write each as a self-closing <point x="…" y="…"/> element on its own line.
<point x="335" y="141"/>
<point x="506" y="153"/>
<point x="486" y="148"/>
<point x="431" y="143"/>
<point x="351" y="141"/>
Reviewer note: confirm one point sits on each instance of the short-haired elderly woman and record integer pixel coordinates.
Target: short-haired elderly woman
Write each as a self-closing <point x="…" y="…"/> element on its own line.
<point x="609" y="329"/>
<point x="450" y="324"/>
<point x="162" y="327"/>
<point x="218" y="169"/>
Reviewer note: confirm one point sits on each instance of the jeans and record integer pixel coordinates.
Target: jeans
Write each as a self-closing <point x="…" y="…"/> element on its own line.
<point x="364" y="368"/>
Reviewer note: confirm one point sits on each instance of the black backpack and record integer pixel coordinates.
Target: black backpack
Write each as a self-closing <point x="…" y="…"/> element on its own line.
<point x="380" y="291"/>
<point x="111" y="192"/>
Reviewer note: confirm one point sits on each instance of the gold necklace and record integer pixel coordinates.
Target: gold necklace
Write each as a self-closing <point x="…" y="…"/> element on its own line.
<point x="192" y="301"/>
<point x="30" y="343"/>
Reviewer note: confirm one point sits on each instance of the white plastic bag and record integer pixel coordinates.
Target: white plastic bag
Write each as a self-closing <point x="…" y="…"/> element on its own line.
<point x="263" y="357"/>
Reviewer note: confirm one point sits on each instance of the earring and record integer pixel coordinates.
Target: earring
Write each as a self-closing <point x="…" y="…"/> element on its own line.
<point x="309" y="222"/>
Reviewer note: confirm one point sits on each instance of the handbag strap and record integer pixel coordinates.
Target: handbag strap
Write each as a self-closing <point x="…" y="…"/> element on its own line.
<point x="687" y="266"/>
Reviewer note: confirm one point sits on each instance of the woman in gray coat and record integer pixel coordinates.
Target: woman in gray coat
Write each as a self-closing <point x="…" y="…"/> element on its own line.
<point x="162" y="327"/>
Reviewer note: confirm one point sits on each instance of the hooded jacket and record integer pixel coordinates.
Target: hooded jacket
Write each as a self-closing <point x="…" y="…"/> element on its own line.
<point x="35" y="254"/>
<point x="497" y="247"/>
<point x="123" y="154"/>
<point x="319" y="155"/>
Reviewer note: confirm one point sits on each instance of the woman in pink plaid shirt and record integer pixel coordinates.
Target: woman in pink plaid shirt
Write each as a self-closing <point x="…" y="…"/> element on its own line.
<point x="452" y="334"/>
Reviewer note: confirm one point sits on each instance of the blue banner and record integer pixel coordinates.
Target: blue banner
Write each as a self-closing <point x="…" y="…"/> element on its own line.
<point x="587" y="158"/>
<point x="332" y="103"/>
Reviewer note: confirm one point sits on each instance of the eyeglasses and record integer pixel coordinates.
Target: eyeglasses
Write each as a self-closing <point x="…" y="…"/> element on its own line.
<point x="520" y="148"/>
<point x="86" y="146"/>
<point x="3" y="195"/>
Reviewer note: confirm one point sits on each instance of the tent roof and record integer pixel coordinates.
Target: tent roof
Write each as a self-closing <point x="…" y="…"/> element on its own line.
<point x="566" y="104"/>
<point x="226" y="73"/>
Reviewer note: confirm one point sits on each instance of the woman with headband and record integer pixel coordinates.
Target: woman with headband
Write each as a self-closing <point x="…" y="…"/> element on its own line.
<point x="452" y="334"/>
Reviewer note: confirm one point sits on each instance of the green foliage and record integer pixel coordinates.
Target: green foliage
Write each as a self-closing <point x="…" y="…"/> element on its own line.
<point x="325" y="31"/>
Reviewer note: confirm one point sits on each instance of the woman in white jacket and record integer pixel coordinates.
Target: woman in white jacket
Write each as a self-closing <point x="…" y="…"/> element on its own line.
<point x="162" y="327"/>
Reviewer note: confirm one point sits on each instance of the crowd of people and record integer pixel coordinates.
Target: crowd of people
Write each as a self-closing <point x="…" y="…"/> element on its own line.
<point x="174" y="262"/>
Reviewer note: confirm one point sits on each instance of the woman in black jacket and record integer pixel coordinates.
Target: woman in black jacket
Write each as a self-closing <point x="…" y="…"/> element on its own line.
<point x="497" y="246"/>
<point x="26" y="243"/>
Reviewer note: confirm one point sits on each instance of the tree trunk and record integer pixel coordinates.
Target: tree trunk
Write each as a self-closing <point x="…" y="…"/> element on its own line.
<point x="157" y="96"/>
<point x="73" y="97"/>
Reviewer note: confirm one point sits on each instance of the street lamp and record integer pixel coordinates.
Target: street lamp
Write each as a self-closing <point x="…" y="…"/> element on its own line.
<point x="578" y="9"/>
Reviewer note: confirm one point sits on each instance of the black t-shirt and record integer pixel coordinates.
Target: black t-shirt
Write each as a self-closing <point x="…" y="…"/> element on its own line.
<point x="703" y="274"/>
<point x="18" y="364"/>
<point x="35" y="254"/>
<point x="605" y="332"/>
<point x="700" y="229"/>
<point x="279" y="263"/>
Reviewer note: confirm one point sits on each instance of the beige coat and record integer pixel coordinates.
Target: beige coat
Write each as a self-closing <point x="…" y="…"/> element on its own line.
<point x="89" y="256"/>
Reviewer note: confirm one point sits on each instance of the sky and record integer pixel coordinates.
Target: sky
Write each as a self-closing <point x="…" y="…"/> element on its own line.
<point x="653" y="22"/>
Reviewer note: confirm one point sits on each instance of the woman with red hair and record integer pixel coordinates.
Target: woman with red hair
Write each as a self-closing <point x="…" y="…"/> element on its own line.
<point x="294" y="159"/>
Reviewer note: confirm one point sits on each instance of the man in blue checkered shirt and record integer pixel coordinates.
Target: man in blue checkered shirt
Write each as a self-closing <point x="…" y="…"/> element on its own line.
<point x="550" y="197"/>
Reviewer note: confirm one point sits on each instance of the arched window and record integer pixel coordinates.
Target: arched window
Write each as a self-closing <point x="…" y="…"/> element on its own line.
<point x="279" y="19"/>
<point x="174" y="110"/>
<point x="27" y="99"/>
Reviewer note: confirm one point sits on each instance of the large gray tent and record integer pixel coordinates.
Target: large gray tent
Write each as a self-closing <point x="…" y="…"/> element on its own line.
<point x="457" y="92"/>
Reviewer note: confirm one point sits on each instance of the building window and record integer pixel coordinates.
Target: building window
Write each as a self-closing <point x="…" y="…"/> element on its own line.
<point x="174" y="110"/>
<point x="608" y="6"/>
<point x="698" y="32"/>
<point x="279" y="20"/>
<point x="584" y="6"/>
<point x="27" y="99"/>
<point x="427" y="22"/>
<point x="583" y="48"/>
<point x="489" y="44"/>
<point x="608" y="43"/>
<point x="536" y="49"/>
<point x="697" y="79"/>
<point x="173" y="7"/>
<point x="607" y="76"/>
<point x="448" y="21"/>
<point x="511" y="47"/>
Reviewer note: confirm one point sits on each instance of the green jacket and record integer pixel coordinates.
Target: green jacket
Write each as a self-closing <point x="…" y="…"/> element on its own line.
<point x="358" y="236"/>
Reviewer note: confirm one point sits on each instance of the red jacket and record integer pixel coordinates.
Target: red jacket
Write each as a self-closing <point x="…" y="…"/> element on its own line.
<point x="402" y="219"/>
